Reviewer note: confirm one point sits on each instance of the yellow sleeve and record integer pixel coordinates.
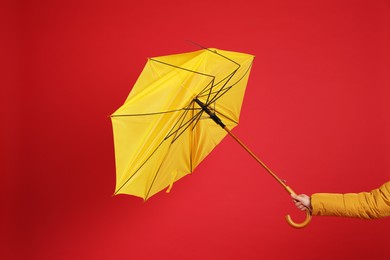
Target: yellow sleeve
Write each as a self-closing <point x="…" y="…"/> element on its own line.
<point x="366" y="205"/>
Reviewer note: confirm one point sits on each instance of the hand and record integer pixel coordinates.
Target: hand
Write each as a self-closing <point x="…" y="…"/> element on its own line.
<point x="302" y="201"/>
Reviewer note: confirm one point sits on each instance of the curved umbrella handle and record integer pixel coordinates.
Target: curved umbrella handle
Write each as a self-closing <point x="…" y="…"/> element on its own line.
<point x="299" y="225"/>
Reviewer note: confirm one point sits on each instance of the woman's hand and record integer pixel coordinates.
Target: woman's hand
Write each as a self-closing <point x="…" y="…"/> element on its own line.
<point x="302" y="201"/>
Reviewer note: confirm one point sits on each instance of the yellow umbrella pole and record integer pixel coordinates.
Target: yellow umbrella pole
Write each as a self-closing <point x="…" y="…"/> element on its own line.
<point x="287" y="188"/>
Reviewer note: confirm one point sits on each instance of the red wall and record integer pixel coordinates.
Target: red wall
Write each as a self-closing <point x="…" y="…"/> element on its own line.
<point x="316" y="112"/>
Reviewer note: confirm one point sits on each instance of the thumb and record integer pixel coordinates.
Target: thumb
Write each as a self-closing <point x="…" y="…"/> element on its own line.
<point x="294" y="196"/>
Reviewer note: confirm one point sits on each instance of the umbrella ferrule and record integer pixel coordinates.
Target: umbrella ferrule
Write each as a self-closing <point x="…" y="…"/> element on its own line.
<point x="212" y="115"/>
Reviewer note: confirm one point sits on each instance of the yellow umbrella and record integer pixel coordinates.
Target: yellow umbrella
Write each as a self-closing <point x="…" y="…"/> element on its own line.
<point x="163" y="130"/>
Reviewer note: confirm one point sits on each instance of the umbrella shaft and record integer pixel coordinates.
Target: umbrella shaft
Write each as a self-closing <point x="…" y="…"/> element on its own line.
<point x="287" y="188"/>
<point x="219" y="122"/>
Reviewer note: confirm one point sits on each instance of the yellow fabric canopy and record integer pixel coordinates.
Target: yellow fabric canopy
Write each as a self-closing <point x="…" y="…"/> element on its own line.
<point x="161" y="133"/>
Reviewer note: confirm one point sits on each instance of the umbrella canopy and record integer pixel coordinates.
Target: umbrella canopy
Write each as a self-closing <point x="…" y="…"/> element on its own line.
<point x="163" y="130"/>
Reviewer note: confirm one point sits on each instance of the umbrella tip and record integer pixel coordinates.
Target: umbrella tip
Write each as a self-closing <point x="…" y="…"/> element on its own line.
<point x="115" y="193"/>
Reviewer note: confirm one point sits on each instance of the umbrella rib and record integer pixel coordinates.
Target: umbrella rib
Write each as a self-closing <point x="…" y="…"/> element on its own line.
<point x="209" y="89"/>
<point x="225" y="116"/>
<point x="139" y="168"/>
<point x="227" y="58"/>
<point x="214" y="51"/>
<point x="229" y="76"/>
<point x="182" y="118"/>
<point x="191" y="139"/>
<point x="223" y="89"/>
<point x="177" y="133"/>
<point x="178" y="67"/>
<point x="154" y="179"/>
<point x="206" y="88"/>
<point x="198" y="116"/>
<point x="150" y="114"/>
<point x="186" y="126"/>
<point x="158" y="170"/>
<point x="215" y="98"/>
<point x="193" y="71"/>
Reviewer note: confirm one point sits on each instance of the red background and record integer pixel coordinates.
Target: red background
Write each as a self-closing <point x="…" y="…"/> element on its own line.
<point x="315" y="111"/>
